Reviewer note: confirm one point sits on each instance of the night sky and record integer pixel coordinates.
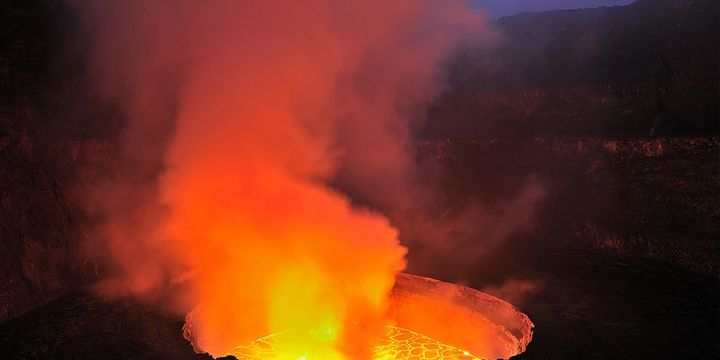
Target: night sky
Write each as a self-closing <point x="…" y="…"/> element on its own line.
<point x="500" y="8"/>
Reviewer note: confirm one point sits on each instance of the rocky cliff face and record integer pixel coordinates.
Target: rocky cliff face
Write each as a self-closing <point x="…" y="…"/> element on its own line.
<point x="650" y="68"/>
<point x="36" y="251"/>
<point x="41" y="220"/>
<point x="614" y="108"/>
<point x="637" y="107"/>
<point x="40" y="240"/>
<point x="655" y="197"/>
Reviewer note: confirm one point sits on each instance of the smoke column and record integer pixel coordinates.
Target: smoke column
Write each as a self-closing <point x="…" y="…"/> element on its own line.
<point x="239" y="117"/>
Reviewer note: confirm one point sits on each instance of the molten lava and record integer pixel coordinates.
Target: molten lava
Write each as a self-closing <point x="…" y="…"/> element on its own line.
<point x="394" y="343"/>
<point x="427" y="319"/>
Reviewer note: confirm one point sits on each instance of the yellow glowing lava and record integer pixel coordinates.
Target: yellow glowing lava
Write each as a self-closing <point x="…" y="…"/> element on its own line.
<point x="395" y="343"/>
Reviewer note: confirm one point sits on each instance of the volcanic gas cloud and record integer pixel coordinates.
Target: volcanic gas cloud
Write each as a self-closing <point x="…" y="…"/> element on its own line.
<point x="238" y="115"/>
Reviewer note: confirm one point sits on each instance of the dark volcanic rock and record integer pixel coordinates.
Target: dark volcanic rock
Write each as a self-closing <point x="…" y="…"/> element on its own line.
<point x="652" y="67"/>
<point x="595" y="306"/>
<point x="36" y="247"/>
<point x="654" y="197"/>
<point x="80" y="326"/>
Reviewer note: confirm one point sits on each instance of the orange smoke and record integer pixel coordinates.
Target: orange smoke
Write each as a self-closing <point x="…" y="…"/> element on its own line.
<point x="259" y="93"/>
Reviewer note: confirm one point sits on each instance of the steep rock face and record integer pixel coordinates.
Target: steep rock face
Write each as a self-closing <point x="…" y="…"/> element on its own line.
<point x="44" y="170"/>
<point x="36" y="227"/>
<point x="36" y="248"/>
<point x="613" y="108"/>
<point x="41" y="219"/>
<point x="636" y="107"/>
<point x="589" y="46"/>
<point x="652" y="67"/>
<point x="654" y="197"/>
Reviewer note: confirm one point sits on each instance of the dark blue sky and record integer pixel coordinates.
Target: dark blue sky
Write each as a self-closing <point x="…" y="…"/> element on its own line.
<point x="499" y="8"/>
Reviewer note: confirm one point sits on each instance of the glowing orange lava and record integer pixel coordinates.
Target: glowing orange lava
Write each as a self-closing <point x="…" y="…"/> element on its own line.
<point x="394" y="343"/>
<point x="427" y="319"/>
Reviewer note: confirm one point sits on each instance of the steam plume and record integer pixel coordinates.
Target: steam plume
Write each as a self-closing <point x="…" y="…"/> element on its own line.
<point x="239" y="114"/>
